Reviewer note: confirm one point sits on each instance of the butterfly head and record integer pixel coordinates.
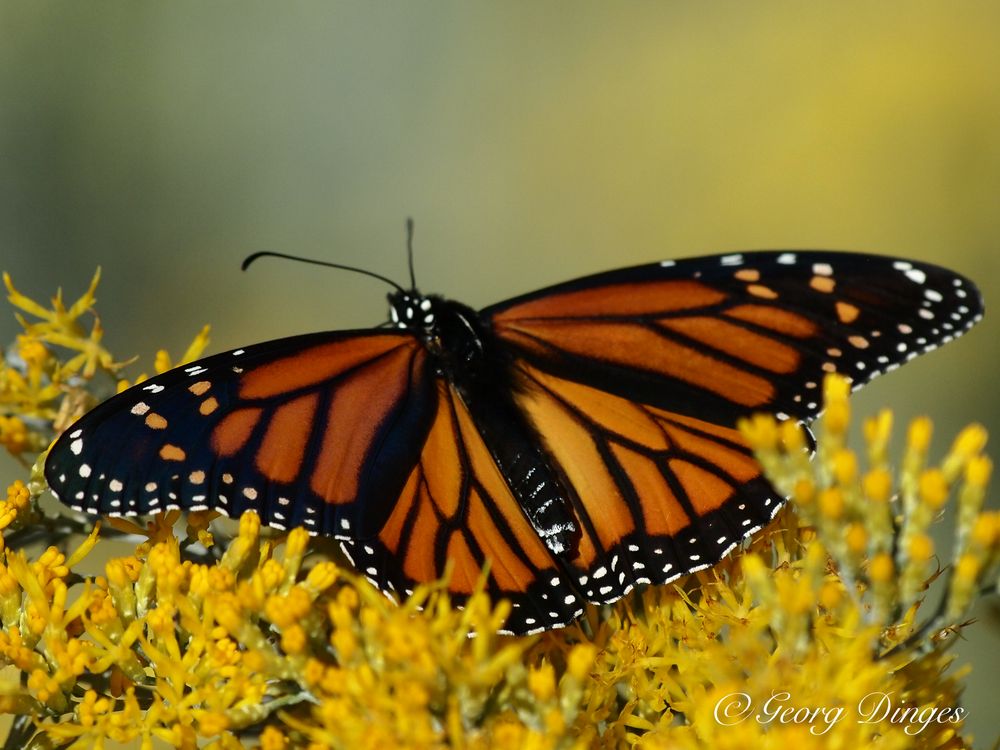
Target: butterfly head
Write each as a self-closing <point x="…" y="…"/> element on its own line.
<point x="410" y="309"/>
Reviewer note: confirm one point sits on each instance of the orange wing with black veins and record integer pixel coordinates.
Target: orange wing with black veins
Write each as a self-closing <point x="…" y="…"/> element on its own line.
<point x="655" y="494"/>
<point x="455" y="515"/>
<point x="319" y="430"/>
<point x="634" y="380"/>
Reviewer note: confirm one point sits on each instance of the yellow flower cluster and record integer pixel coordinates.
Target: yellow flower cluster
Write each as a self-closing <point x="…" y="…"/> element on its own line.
<point x="223" y="635"/>
<point x="39" y="390"/>
<point x="877" y="530"/>
<point x="161" y="647"/>
<point x="33" y="381"/>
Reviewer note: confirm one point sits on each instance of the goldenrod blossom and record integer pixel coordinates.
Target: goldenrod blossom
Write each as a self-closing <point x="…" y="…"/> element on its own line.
<point x="209" y="633"/>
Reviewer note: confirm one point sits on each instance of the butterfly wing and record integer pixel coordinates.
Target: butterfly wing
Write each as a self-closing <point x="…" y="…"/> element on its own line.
<point x="655" y="493"/>
<point x="455" y="514"/>
<point x="348" y="434"/>
<point x="723" y="336"/>
<point x="319" y="430"/>
<point x="634" y="381"/>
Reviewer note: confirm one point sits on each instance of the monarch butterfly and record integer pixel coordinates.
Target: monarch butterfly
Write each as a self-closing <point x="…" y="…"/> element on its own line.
<point x="579" y="438"/>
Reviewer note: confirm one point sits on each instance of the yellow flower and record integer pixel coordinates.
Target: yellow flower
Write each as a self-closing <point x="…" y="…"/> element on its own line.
<point x="542" y="681"/>
<point x="32" y="351"/>
<point x="273" y="739"/>
<point x="60" y="326"/>
<point x="261" y="642"/>
<point x="14" y="435"/>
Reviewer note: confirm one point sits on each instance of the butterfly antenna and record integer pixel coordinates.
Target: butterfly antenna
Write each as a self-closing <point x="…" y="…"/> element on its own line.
<point x="409" y="251"/>
<point x="268" y="254"/>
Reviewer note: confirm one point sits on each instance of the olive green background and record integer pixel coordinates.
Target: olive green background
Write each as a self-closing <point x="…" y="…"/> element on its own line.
<point x="531" y="142"/>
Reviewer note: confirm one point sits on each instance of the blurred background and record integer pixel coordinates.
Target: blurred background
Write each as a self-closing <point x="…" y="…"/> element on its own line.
<point x="531" y="143"/>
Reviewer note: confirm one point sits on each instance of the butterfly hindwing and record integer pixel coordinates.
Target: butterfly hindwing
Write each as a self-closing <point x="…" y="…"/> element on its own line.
<point x="723" y="336"/>
<point x="318" y="430"/>
<point x="455" y="515"/>
<point x="655" y="494"/>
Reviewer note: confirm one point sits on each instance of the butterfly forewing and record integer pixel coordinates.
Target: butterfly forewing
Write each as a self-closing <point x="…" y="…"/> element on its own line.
<point x="318" y="430"/>
<point x="723" y="336"/>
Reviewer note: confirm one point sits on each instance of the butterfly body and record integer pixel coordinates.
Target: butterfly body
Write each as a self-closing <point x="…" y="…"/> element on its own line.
<point x="580" y="439"/>
<point x="468" y="358"/>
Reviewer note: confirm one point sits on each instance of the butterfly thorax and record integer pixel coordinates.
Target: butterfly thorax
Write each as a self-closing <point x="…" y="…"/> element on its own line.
<point x="451" y="331"/>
